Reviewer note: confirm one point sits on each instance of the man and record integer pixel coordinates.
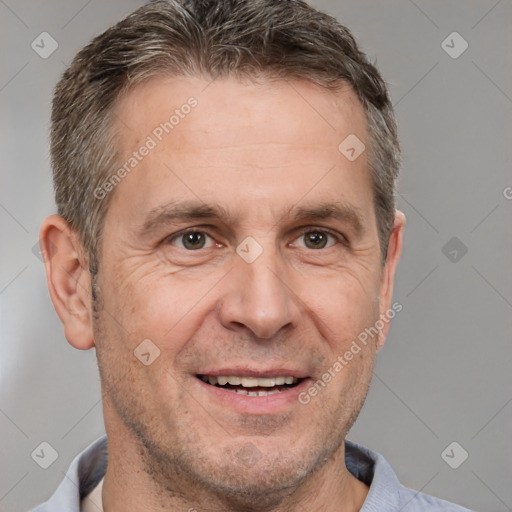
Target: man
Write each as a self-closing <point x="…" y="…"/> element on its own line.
<point x="227" y="240"/>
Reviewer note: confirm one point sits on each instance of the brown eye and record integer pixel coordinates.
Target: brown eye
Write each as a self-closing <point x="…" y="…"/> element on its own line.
<point x="192" y="240"/>
<point x="316" y="240"/>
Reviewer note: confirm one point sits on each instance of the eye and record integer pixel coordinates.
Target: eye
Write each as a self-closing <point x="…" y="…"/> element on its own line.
<point x="192" y="240"/>
<point x="317" y="239"/>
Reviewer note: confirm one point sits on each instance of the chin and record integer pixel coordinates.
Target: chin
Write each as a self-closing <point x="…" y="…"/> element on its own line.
<point x="255" y="489"/>
<point x="253" y="475"/>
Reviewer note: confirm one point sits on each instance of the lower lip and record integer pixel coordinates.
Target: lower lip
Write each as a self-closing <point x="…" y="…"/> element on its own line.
<point x="270" y="404"/>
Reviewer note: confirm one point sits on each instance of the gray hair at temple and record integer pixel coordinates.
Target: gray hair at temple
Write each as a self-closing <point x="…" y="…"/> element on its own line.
<point x="246" y="39"/>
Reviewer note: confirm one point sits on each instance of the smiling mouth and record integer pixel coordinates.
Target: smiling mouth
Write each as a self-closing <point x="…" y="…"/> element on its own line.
<point x="251" y="386"/>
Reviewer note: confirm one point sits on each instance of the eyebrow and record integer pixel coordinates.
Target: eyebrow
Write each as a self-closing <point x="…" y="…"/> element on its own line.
<point x="181" y="211"/>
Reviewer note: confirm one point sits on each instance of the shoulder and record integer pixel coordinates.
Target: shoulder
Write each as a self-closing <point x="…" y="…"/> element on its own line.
<point x="386" y="492"/>
<point x="84" y="473"/>
<point x="414" y="501"/>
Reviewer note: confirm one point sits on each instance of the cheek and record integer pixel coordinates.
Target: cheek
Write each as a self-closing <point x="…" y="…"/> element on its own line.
<point x="163" y="308"/>
<point x="343" y="307"/>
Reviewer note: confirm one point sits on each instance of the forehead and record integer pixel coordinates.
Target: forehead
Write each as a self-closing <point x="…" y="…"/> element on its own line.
<point x="289" y="109"/>
<point x="241" y="143"/>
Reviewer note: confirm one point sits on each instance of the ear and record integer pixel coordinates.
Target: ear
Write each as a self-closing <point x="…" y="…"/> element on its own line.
<point x="388" y="277"/>
<point x="69" y="283"/>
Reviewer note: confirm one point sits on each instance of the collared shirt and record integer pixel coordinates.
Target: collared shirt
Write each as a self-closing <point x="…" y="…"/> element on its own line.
<point x="386" y="493"/>
<point x="93" y="502"/>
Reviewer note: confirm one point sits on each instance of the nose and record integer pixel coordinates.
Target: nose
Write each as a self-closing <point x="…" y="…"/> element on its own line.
<point x="260" y="297"/>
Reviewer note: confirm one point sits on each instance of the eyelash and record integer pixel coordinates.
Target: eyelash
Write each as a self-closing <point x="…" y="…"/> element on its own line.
<point x="312" y="229"/>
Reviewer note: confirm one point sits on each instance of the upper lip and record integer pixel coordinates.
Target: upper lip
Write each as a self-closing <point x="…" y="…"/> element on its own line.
<point x="255" y="373"/>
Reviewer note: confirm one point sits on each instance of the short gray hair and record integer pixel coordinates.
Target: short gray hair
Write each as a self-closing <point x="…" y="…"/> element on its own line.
<point x="273" y="39"/>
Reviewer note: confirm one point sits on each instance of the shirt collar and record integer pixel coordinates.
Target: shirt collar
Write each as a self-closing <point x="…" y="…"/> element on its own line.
<point x="88" y="468"/>
<point x="373" y="470"/>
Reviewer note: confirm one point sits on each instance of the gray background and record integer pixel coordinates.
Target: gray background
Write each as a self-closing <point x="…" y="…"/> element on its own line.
<point x="444" y="373"/>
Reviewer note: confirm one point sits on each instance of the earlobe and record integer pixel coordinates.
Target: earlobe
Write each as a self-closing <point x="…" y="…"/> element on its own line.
<point x="68" y="280"/>
<point x="388" y="275"/>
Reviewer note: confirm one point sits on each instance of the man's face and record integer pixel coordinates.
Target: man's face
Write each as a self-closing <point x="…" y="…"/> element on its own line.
<point x="284" y="303"/>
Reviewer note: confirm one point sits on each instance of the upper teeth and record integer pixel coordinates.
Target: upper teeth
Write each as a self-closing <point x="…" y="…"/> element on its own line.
<point x="250" y="382"/>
